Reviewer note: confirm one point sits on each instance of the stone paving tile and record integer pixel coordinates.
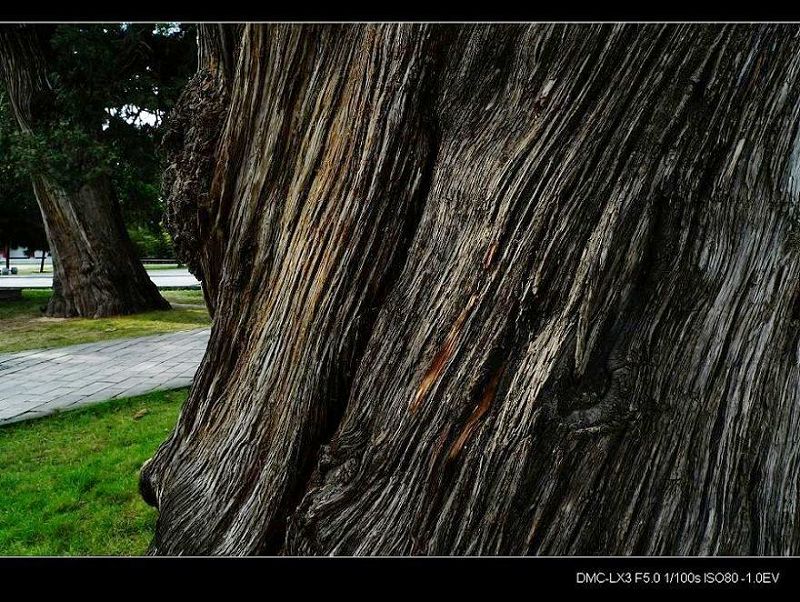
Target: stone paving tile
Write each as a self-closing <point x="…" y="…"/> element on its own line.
<point x="39" y="382"/>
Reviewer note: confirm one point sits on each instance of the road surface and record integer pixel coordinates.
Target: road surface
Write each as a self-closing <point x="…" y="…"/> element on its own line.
<point x="166" y="278"/>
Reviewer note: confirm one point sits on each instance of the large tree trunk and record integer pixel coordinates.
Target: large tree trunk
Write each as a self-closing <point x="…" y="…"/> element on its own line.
<point x="494" y="289"/>
<point x="96" y="272"/>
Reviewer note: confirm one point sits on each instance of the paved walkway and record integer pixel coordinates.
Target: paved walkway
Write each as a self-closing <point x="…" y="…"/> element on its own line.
<point x="43" y="381"/>
<point x="166" y="278"/>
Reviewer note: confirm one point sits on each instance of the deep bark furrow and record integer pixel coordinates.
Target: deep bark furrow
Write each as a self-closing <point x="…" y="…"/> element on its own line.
<point x="340" y="217"/>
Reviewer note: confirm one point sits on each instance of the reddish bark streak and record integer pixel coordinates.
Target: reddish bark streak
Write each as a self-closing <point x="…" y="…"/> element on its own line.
<point x="489" y="393"/>
<point x="441" y="359"/>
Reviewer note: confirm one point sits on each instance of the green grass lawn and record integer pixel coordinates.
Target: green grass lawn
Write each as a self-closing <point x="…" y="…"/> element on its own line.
<point x="69" y="483"/>
<point x="22" y="325"/>
<point x="150" y="267"/>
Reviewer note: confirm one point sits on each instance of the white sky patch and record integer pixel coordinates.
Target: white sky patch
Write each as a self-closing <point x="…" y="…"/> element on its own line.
<point x="135" y="116"/>
<point x="170" y="29"/>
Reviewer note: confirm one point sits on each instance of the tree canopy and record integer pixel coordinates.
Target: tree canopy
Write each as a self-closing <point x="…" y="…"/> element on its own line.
<point x="20" y="219"/>
<point x="113" y="85"/>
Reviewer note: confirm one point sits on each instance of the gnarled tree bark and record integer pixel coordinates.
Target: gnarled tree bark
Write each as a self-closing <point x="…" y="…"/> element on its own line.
<point x="198" y="225"/>
<point x="96" y="272"/>
<point x="496" y="289"/>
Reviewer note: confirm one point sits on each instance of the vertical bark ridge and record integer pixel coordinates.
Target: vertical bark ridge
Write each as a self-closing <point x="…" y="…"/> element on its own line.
<point x="335" y="155"/>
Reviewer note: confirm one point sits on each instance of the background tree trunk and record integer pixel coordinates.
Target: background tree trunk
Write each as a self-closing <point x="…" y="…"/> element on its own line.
<point x="496" y="289"/>
<point x="97" y="272"/>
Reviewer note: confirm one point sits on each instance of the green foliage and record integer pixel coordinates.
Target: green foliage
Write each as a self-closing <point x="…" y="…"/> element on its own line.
<point x="151" y="244"/>
<point x="64" y="153"/>
<point x="69" y="482"/>
<point x="119" y="81"/>
<point x="113" y="86"/>
<point x="20" y="220"/>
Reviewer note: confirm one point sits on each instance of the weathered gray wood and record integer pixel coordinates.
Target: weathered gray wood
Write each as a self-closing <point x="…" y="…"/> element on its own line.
<point x="497" y="289"/>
